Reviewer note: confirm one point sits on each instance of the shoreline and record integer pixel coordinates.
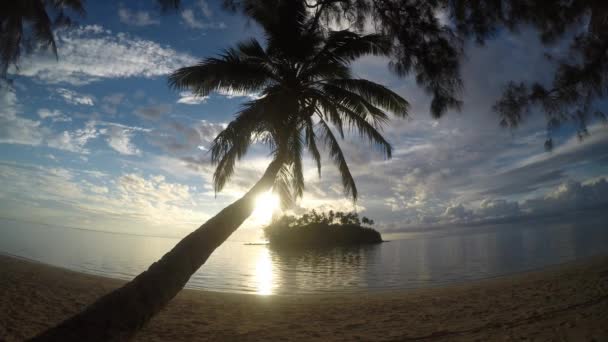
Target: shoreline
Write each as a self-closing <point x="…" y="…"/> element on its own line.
<point x="567" y="300"/>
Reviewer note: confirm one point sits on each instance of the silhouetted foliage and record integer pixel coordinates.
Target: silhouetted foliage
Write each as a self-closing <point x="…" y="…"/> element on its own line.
<point x="580" y="82"/>
<point x="431" y="49"/>
<point x="316" y="229"/>
<point x="305" y="92"/>
<point x="420" y="44"/>
<point x="28" y="25"/>
<point x="169" y="5"/>
<point x="426" y="41"/>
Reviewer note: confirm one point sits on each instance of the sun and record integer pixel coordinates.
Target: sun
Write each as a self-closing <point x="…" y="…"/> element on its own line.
<point x="265" y="206"/>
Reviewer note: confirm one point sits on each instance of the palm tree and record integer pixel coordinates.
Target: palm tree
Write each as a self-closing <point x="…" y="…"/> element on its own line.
<point x="306" y="87"/>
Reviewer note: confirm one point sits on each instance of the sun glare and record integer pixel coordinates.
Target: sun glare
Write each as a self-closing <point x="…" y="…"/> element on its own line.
<point x="265" y="206"/>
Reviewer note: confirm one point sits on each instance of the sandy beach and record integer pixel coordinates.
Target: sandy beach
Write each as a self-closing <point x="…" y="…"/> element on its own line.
<point x="562" y="303"/>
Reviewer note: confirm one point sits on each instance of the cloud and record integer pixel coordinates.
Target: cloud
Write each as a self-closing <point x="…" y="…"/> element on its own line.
<point x="15" y="129"/>
<point x="75" y="98"/>
<point x="178" y="138"/>
<point x="136" y="18"/>
<point x="189" y="98"/>
<point x="129" y="202"/>
<point x="569" y="196"/>
<point x="191" y="19"/>
<point x="205" y="9"/>
<point x="234" y="94"/>
<point x="153" y="112"/>
<point x="92" y="53"/>
<point x="53" y="115"/>
<point x="119" y="139"/>
<point x="75" y="141"/>
<point x="111" y="102"/>
<point x="567" y="201"/>
<point x="498" y="208"/>
<point x="547" y="169"/>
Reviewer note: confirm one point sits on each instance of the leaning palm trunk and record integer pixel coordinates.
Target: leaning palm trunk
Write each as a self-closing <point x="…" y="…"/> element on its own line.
<point x="119" y="314"/>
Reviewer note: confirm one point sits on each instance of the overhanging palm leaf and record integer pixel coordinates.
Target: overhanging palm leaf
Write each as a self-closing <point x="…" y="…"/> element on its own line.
<point x="15" y="14"/>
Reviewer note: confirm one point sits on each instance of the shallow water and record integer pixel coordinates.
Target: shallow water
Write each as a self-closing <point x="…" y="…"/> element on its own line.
<point x="409" y="260"/>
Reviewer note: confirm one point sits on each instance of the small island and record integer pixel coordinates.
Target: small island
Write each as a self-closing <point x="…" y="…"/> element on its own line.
<point x="321" y="230"/>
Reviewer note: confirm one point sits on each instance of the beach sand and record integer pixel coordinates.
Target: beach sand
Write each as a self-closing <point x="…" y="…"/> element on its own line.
<point x="562" y="303"/>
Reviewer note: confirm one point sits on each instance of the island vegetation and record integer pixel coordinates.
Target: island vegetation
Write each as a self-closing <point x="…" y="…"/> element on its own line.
<point x="320" y="229"/>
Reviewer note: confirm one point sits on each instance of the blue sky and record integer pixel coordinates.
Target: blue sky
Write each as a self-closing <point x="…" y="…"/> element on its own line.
<point x="98" y="140"/>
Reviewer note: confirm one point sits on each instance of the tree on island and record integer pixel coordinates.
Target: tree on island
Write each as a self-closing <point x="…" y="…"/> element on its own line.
<point x="306" y="92"/>
<point x="320" y="229"/>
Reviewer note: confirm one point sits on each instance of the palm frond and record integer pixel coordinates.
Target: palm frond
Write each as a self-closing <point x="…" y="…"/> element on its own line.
<point x="295" y="154"/>
<point x="283" y="186"/>
<point x="376" y="94"/>
<point x="311" y="143"/>
<point x="335" y="152"/>
<point x="356" y="103"/>
<point x="233" y="142"/>
<point x="327" y="111"/>
<point x="42" y="28"/>
<point x="348" y="46"/>
<point x="10" y="40"/>
<point x="231" y="72"/>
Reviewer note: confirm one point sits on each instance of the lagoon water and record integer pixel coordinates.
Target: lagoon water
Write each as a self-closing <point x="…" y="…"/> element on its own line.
<point x="408" y="260"/>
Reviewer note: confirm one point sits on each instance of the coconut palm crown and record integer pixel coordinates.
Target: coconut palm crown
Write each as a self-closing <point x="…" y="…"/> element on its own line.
<point x="306" y="90"/>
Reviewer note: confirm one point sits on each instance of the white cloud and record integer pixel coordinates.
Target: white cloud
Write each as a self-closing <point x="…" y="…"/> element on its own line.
<point x="190" y="17"/>
<point x="15" y="129"/>
<point x="53" y="115"/>
<point x="91" y="53"/>
<point x="130" y="202"/>
<point x="571" y="195"/>
<point x="205" y="9"/>
<point x="120" y="140"/>
<point x="136" y="18"/>
<point x="189" y="98"/>
<point x="235" y="94"/>
<point x="178" y="138"/>
<point x="75" y="98"/>
<point x="75" y="141"/>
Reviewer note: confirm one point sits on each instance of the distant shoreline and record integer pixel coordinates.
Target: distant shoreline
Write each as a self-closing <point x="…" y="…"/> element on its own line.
<point x="568" y="300"/>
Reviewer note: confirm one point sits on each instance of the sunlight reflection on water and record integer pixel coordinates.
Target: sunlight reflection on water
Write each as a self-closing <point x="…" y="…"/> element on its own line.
<point x="408" y="261"/>
<point x="264" y="273"/>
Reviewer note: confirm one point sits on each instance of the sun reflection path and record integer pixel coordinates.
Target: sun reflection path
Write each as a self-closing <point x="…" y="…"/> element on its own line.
<point x="264" y="273"/>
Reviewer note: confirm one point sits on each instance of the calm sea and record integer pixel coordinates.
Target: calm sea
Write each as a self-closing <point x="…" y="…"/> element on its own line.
<point x="409" y="260"/>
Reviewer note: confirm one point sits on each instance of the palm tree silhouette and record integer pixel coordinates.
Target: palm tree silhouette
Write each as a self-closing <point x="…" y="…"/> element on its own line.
<point x="306" y="87"/>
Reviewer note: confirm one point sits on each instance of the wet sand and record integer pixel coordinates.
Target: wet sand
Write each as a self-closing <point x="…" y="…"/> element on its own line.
<point x="567" y="302"/>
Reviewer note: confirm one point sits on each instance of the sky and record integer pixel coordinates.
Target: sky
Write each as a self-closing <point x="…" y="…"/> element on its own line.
<point x="96" y="139"/>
